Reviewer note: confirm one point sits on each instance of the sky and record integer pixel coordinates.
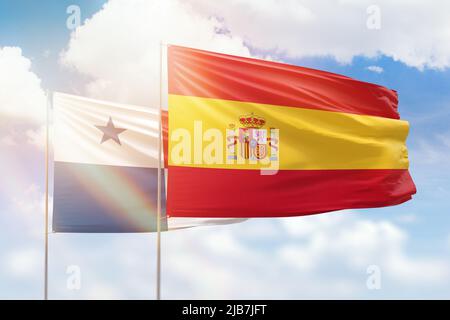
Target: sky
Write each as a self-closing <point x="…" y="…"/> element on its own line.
<point x="113" y="55"/>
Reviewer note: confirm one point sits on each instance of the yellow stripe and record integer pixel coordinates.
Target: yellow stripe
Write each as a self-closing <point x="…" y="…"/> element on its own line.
<point x="309" y="139"/>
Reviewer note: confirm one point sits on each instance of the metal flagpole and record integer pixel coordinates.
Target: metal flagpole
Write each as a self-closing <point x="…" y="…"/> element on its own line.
<point x="49" y="97"/>
<point x="158" y="237"/>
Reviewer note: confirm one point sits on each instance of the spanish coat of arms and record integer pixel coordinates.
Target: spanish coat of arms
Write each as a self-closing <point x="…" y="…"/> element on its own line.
<point x="251" y="141"/>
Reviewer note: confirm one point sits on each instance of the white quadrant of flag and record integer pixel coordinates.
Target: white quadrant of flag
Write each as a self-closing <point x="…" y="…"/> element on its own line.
<point x="80" y="128"/>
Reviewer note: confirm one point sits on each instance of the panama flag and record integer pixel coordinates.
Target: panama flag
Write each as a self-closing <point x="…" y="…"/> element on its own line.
<point x="253" y="138"/>
<point x="106" y="168"/>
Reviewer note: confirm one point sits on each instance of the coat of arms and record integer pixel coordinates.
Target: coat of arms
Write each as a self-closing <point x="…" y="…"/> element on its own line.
<point x="252" y="141"/>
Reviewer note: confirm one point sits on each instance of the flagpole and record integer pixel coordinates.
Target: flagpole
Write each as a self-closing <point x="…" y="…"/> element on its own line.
<point x="49" y="97"/>
<point x="158" y="236"/>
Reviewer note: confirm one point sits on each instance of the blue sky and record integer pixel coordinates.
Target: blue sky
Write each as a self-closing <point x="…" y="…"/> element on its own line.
<point x="415" y="234"/>
<point x="37" y="27"/>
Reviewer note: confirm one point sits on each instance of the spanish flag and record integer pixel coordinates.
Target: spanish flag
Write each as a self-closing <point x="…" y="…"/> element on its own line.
<point x="253" y="138"/>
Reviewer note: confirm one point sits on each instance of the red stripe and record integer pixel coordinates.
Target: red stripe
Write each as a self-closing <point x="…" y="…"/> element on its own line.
<point x="212" y="75"/>
<point x="200" y="192"/>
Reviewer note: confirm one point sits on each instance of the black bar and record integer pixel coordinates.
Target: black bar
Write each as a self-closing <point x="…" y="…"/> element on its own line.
<point x="227" y="309"/>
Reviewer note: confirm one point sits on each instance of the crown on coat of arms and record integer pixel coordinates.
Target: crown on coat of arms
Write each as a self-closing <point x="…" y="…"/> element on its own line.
<point x="252" y="121"/>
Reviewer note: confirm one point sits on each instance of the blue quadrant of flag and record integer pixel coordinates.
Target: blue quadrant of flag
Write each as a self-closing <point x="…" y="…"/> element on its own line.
<point x="102" y="198"/>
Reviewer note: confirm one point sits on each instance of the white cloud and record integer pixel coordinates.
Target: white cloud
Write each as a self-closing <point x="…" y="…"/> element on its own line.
<point x="21" y="95"/>
<point x="32" y="201"/>
<point x="323" y="256"/>
<point x="431" y="271"/>
<point x="28" y="208"/>
<point x="23" y="263"/>
<point x="339" y="29"/>
<point x="22" y="101"/>
<point x="326" y="259"/>
<point x="359" y="243"/>
<point x="37" y="136"/>
<point x="119" y="47"/>
<point x="7" y="141"/>
<point x="376" y="69"/>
